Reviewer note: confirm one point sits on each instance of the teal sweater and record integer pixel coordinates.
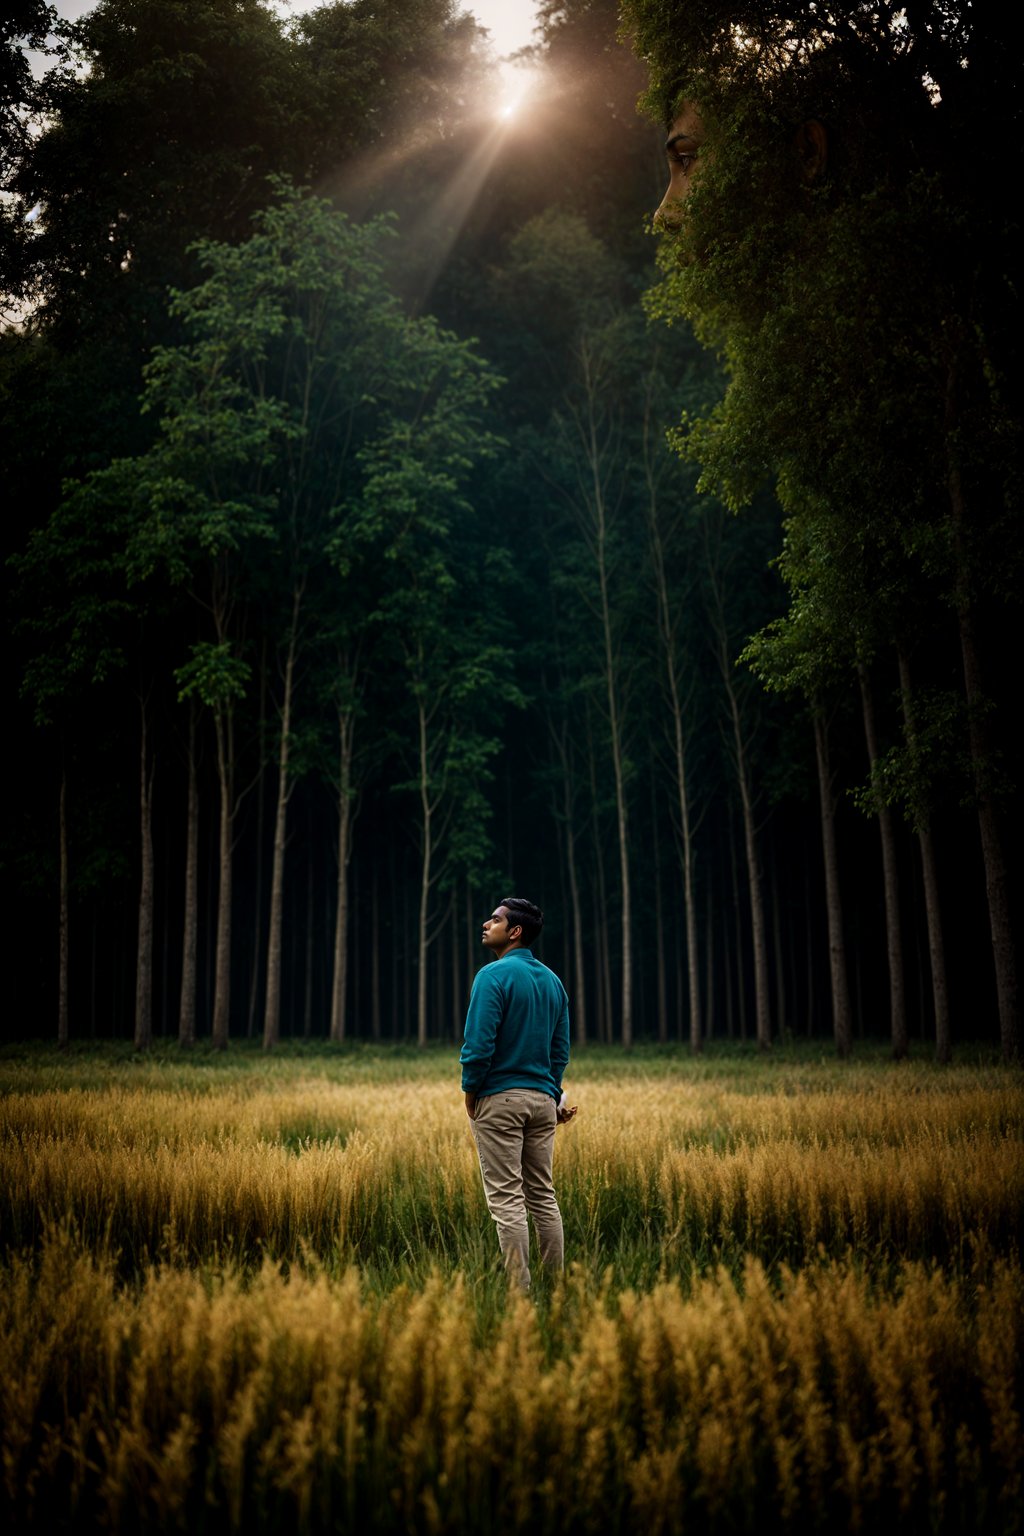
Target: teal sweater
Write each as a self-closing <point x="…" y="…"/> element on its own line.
<point x="517" y="1028"/>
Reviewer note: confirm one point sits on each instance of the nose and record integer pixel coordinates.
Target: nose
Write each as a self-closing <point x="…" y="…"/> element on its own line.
<point x="669" y="213"/>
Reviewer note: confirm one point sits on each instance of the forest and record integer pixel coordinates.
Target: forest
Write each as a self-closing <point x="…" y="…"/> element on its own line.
<point x="397" y="517"/>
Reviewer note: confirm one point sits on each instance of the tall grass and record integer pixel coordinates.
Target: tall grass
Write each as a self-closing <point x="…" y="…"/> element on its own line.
<point x="266" y="1297"/>
<point x="665" y="1171"/>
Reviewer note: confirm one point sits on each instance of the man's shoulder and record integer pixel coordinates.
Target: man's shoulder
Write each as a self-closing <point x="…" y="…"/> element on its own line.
<point x="487" y="975"/>
<point x="552" y="977"/>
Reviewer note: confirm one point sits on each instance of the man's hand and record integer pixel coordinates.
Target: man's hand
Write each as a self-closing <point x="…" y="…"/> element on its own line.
<point x="566" y="1114"/>
<point x="471" y="1105"/>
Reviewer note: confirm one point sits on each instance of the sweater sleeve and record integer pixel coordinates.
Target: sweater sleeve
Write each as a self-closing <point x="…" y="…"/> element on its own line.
<point x="486" y="1005"/>
<point x="560" y="1043"/>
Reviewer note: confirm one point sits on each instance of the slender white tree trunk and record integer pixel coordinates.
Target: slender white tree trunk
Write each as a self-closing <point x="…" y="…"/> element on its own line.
<point x="666" y="631"/>
<point x="611" y="671"/>
<point x="426" y="811"/>
<point x="144" y="951"/>
<point x="890" y="881"/>
<point x="224" y="731"/>
<point x="841" y="1018"/>
<point x="758" y="934"/>
<point x="257" y="896"/>
<point x="339" y="988"/>
<point x="272" y="1005"/>
<point x="579" y="999"/>
<point x="63" y="1035"/>
<point x="190" y="925"/>
<point x="930" y="876"/>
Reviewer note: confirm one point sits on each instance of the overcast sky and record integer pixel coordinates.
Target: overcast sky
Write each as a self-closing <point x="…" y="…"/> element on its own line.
<point x="510" y="22"/>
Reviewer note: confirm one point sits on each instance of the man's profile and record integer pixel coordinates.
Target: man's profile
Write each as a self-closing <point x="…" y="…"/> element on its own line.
<point x="515" y="1050"/>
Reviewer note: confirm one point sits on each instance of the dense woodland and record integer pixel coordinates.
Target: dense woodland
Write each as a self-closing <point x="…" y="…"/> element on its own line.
<point x="358" y="572"/>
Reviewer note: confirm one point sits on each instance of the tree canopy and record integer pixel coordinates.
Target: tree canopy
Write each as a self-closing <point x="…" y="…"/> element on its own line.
<point x="376" y="549"/>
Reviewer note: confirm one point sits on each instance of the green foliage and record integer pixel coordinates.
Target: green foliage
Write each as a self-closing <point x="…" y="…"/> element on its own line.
<point x="212" y="675"/>
<point x="72" y="608"/>
<point x="838" y="302"/>
<point x="916" y="778"/>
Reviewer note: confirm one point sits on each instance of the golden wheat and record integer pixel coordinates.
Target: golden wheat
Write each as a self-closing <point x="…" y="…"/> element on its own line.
<point x="268" y="1300"/>
<point x="304" y="1403"/>
<point x="334" y="1167"/>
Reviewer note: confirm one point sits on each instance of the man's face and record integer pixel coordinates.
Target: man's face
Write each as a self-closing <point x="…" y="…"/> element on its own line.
<point x="495" y="930"/>
<point x="685" y="137"/>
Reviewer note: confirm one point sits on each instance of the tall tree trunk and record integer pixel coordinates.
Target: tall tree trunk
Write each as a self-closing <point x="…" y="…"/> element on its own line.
<point x="272" y="1005"/>
<point x="427" y="813"/>
<point x="930" y="875"/>
<point x="666" y="631"/>
<point x="579" y="1002"/>
<point x="809" y="937"/>
<point x="355" y="949"/>
<point x="595" y="456"/>
<point x="689" y="900"/>
<point x="780" y="973"/>
<point x="997" y="878"/>
<point x="602" y="962"/>
<point x="618" y="769"/>
<point x="307" y="997"/>
<point x="738" y="958"/>
<point x="741" y="767"/>
<point x="681" y="1024"/>
<point x="63" y="1035"/>
<point x="890" y="879"/>
<point x="165" y="945"/>
<point x="144" y="951"/>
<point x="659" y="927"/>
<point x="375" y="949"/>
<point x="224" y="729"/>
<point x="406" y="991"/>
<point x="439" y="1008"/>
<point x="709" y="966"/>
<point x="980" y="728"/>
<point x="339" y="987"/>
<point x="565" y="764"/>
<point x="471" y="943"/>
<point x="841" y="1018"/>
<point x="190" y="918"/>
<point x="758" y="939"/>
<point x="456" y="1014"/>
<point x="257" y="895"/>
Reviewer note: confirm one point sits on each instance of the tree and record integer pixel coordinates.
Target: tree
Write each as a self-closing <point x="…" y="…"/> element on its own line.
<point x="25" y="25"/>
<point x="853" y="274"/>
<point x="570" y="277"/>
<point x="301" y="399"/>
<point x="739" y="733"/>
<point x="81" y="625"/>
<point x="455" y="673"/>
<point x="795" y="653"/>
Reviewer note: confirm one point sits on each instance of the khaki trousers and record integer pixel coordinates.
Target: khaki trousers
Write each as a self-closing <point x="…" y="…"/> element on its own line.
<point x="515" y="1137"/>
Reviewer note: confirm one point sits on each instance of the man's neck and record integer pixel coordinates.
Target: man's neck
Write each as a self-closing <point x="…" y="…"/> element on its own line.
<point x="513" y="949"/>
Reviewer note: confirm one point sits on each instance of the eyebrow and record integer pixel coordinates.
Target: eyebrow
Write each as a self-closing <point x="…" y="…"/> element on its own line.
<point x="678" y="138"/>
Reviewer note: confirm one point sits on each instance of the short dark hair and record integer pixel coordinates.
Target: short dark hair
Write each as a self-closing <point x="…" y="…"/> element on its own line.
<point x="524" y="914"/>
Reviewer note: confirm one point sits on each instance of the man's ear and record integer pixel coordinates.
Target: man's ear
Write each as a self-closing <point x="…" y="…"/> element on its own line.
<point x="812" y="147"/>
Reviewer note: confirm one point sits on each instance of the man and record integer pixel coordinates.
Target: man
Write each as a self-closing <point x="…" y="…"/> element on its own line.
<point x="515" y="1050"/>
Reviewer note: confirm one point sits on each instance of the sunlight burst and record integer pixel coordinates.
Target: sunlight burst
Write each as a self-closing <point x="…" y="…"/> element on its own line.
<point x="518" y="82"/>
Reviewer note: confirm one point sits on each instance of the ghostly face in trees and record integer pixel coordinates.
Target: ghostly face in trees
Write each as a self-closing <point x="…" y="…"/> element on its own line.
<point x="683" y="147"/>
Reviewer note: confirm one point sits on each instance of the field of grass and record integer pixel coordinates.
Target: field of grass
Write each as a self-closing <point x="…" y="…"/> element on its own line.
<point x="257" y="1294"/>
